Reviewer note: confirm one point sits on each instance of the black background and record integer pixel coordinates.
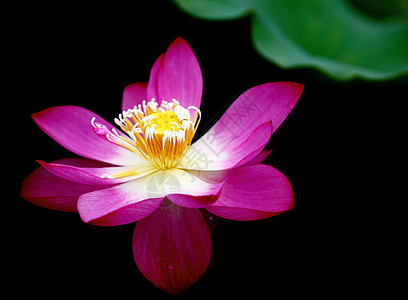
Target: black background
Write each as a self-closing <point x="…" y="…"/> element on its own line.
<point x="336" y="148"/>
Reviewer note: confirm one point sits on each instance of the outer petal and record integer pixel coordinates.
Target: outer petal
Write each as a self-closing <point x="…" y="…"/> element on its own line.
<point x="133" y="94"/>
<point x="259" y="158"/>
<point x="172" y="247"/>
<point x="176" y="74"/>
<point x="266" y="102"/>
<point x="47" y="190"/>
<point x="71" y="127"/>
<point x="253" y="192"/>
<point x="124" y="203"/>
<point x="235" y="152"/>
<point x="191" y="189"/>
<point x="260" y="104"/>
<point x="89" y="175"/>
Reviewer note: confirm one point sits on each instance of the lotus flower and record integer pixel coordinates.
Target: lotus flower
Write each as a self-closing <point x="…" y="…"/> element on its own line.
<point x="148" y="170"/>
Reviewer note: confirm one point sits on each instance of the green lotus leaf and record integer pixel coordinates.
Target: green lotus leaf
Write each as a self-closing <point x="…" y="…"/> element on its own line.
<point x="328" y="35"/>
<point x="215" y="10"/>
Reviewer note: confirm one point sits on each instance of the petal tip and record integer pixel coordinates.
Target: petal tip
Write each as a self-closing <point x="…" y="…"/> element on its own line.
<point x="179" y="40"/>
<point x="172" y="247"/>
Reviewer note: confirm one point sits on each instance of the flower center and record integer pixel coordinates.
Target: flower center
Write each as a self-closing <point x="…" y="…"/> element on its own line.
<point x="161" y="134"/>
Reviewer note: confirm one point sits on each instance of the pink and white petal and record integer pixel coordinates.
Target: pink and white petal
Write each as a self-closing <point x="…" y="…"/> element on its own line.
<point x="70" y="126"/>
<point x="232" y="153"/>
<point x="133" y="94"/>
<point x="98" y="176"/>
<point x="172" y="247"/>
<point x="191" y="189"/>
<point x="177" y="74"/>
<point x="270" y="101"/>
<point x="124" y="203"/>
<point x="253" y="192"/>
<point x="260" y="104"/>
<point x="47" y="190"/>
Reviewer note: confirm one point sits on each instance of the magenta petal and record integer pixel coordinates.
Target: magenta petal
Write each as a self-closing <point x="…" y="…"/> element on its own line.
<point x="71" y="127"/>
<point x="122" y="204"/>
<point x="229" y="152"/>
<point x="153" y="84"/>
<point x="47" y="190"/>
<point x="75" y="174"/>
<point x="270" y="101"/>
<point x="133" y="94"/>
<point x="240" y="134"/>
<point x="176" y="74"/>
<point x="172" y="247"/>
<point x="259" y="158"/>
<point x="191" y="189"/>
<point x="253" y="192"/>
<point x="96" y="176"/>
<point x="260" y="104"/>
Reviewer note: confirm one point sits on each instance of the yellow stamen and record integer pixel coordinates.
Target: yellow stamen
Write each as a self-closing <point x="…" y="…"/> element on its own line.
<point x="160" y="133"/>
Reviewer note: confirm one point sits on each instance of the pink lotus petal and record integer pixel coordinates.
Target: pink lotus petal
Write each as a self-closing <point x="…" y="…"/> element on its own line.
<point x="47" y="190"/>
<point x="266" y="102"/>
<point x="133" y="94"/>
<point x="260" y="104"/>
<point x="222" y="146"/>
<point x="253" y="192"/>
<point x="96" y="176"/>
<point x="176" y="74"/>
<point x="191" y="189"/>
<point x="259" y="158"/>
<point x="71" y="127"/>
<point x="172" y="247"/>
<point x="124" y="203"/>
<point x="153" y="84"/>
<point x="235" y="152"/>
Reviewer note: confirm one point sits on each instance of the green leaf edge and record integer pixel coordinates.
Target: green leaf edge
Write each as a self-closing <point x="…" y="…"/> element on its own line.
<point x="330" y="67"/>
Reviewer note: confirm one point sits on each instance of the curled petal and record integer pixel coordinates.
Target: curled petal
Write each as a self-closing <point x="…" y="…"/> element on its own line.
<point x="266" y="102"/>
<point x="253" y="192"/>
<point x="269" y="102"/>
<point x="234" y="152"/>
<point x="45" y="189"/>
<point x="191" y="189"/>
<point x="172" y="247"/>
<point x="259" y="158"/>
<point x="95" y="176"/>
<point x="124" y="203"/>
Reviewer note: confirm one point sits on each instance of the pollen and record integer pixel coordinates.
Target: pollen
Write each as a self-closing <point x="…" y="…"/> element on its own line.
<point x="161" y="133"/>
